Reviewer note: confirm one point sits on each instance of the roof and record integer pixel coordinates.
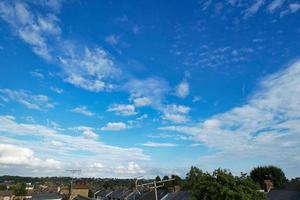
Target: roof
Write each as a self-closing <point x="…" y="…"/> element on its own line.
<point x="119" y="194"/>
<point x="103" y="193"/>
<point x="182" y="195"/>
<point x="6" y="193"/>
<point x="284" y="195"/>
<point x="45" y="196"/>
<point x="79" y="197"/>
<point x="151" y="195"/>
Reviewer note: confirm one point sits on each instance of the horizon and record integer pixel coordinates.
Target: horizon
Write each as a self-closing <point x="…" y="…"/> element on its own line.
<point x="149" y="88"/>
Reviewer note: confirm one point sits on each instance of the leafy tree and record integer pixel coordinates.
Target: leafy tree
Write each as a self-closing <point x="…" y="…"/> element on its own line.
<point x="3" y="187"/>
<point x="259" y="174"/>
<point x="177" y="181"/>
<point x="20" y="189"/>
<point x="222" y="185"/>
<point x="157" y="179"/>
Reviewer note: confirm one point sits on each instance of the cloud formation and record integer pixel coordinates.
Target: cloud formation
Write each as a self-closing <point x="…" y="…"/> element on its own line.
<point x="27" y="99"/>
<point x="265" y="129"/>
<point x="83" y="110"/>
<point x="114" y="126"/>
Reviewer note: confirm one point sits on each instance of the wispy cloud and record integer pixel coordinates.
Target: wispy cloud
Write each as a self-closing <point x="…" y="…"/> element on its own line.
<point x="83" y="110"/>
<point x="87" y="132"/>
<point x="112" y="39"/>
<point x="26" y="98"/>
<point x="114" y="126"/>
<point x="268" y="122"/>
<point x="122" y="109"/>
<point x="254" y="8"/>
<point x="57" y="90"/>
<point x="156" y="144"/>
<point x="183" y="89"/>
<point x="176" y="113"/>
<point x="275" y="4"/>
<point x="56" y="144"/>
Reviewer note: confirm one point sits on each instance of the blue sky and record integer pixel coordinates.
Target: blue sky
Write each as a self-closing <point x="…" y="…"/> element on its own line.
<point x="146" y="88"/>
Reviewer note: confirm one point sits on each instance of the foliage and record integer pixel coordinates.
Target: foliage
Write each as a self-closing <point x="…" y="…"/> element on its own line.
<point x="20" y="189"/>
<point x="259" y="174"/>
<point x="221" y="185"/>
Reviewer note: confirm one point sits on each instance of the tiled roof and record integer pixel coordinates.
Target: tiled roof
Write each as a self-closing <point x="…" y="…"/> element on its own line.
<point x="151" y="195"/>
<point x="46" y="195"/>
<point x="284" y="195"/>
<point x="6" y="193"/>
<point x="182" y="195"/>
<point x="79" y="197"/>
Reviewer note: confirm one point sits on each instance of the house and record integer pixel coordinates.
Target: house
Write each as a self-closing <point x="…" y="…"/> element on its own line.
<point x="181" y="195"/>
<point x="120" y="194"/>
<point x="102" y="194"/>
<point x="79" y="197"/>
<point x="6" y="195"/>
<point x="46" y="196"/>
<point x="151" y="195"/>
<point x="79" y="188"/>
<point x="284" y="195"/>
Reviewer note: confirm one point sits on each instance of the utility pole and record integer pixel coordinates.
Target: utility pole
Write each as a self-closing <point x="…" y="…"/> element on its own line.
<point x="73" y="172"/>
<point x="153" y="185"/>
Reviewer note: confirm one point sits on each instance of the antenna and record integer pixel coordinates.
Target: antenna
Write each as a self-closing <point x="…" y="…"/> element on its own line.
<point x="152" y="185"/>
<point x="73" y="172"/>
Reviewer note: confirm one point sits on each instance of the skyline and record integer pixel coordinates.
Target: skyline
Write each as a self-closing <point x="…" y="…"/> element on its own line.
<point x="148" y="88"/>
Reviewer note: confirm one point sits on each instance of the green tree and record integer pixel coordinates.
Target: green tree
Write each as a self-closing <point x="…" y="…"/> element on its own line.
<point x="259" y="174"/>
<point x="20" y="189"/>
<point x="157" y="179"/>
<point x="222" y="185"/>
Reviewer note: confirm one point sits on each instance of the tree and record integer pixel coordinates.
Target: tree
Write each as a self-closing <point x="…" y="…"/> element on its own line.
<point x="20" y="189"/>
<point x="222" y="185"/>
<point x="259" y="174"/>
<point x="157" y="179"/>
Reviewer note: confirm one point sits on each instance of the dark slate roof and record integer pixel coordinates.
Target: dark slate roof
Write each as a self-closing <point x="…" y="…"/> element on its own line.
<point x="103" y="193"/>
<point x="79" y="197"/>
<point x="134" y="196"/>
<point x="182" y="195"/>
<point x="284" y="195"/>
<point x="45" y="195"/>
<point x="119" y="194"/>
<point x="5" y="193"/>
<point x="151" y="195"/>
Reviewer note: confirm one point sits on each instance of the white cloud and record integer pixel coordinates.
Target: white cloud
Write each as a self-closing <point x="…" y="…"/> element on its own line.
<point x="254" y="8"/>
<point x="91" y="69"/>
<point x="51" y="143"/>
<point x="142" y="101"/>
<point x="156" y="144"/>
<point x="114" y="126"/>
<point x="275" y="4"/>
<point x="37" y="74"/>
<point x="196" y="99"/>
<point x="15" y="155"/>
<point x="8" y="124"/>
<point x="176" y="113"/>
<point x="83" y="110"/>
<point x="112" y="39"/>
<point x="294" y="7"/>
<point x="131" y="168"/>
<point x="183" y="89"/>
<point x="88" y="68"/>
<point x="87" y="132"/>
<point x="57" y="90"/>
<point x="264" y="130"/>
<point x="26" y="98"/>
<point x="32" y="29"/>
<point x="152" y="88"/>
<point x="122" y="109"/>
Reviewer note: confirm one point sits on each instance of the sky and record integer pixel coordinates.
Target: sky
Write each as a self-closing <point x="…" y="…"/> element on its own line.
<point x="145" y="88"/>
